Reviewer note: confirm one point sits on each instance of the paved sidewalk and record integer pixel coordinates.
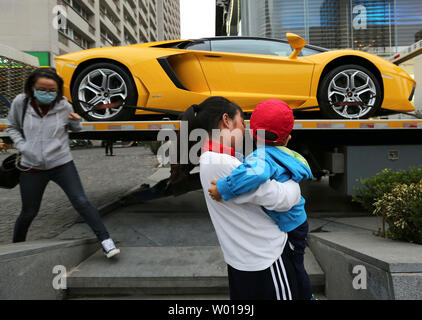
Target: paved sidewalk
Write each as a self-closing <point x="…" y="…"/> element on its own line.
<point x="104" y="179"/>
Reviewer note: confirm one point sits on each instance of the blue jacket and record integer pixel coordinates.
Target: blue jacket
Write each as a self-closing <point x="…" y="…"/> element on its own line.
<point x="269" y="162"/>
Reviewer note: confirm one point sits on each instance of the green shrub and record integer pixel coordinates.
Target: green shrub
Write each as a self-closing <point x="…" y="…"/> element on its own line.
<point x="401" y="209"/>
<point x="383" y="182"/>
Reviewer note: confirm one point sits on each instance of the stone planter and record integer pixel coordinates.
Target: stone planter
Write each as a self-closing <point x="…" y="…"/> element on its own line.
<point x="359" y="265"/>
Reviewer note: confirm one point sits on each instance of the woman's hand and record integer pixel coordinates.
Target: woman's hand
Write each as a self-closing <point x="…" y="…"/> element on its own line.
<point x="74" y="116"/>
<point x="213" y="191"/>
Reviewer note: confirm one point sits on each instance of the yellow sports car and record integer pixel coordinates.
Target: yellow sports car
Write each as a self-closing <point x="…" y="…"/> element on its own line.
<point x="342" y="84"/>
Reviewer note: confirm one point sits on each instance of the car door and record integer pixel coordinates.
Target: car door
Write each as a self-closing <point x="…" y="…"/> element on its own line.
<point x="249" y="70"/>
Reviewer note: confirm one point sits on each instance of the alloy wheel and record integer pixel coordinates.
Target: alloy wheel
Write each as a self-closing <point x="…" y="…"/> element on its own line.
<point x="352" y="94"/>
<point x="102" y="86"/>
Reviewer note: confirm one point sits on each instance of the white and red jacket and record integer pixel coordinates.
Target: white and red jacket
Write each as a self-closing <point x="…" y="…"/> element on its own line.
<point x="250" y="240"/>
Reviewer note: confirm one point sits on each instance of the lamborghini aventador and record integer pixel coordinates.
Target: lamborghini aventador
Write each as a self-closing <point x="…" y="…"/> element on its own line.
<point x="172" y="75"/>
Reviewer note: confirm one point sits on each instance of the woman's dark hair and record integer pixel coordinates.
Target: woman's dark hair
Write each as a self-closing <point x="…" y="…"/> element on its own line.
<point x="205" y="115"/>
<point x="43" y="73"/>
<point x="208" y="113"/>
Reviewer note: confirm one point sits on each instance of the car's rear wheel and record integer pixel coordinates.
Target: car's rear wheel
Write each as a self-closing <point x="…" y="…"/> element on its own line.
<point x="104" y="83"/>
<point x="349" y="92"/>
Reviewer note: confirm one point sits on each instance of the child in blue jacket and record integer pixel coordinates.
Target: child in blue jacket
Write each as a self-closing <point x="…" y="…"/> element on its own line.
<point x="272" y="160"/>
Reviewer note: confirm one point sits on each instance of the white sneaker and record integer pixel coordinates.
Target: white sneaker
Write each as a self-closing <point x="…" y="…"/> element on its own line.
<point x="109" y="248"/>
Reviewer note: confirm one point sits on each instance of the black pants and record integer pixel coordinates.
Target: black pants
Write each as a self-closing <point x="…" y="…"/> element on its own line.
<point x="109" y="146"/>
<point x="32" y="187"/>
<point x="277" y="282"/>
<point x="297" y="238"/>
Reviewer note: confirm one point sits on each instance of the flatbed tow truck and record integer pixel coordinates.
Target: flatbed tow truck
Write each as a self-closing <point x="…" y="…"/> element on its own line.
<point x="344" y="150"/>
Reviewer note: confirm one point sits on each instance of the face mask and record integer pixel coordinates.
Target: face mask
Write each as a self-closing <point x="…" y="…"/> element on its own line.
<point x="45" y="96"/>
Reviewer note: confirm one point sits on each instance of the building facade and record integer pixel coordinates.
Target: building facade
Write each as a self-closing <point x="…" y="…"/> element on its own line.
<point x="47" y="28"/>
<point x="227" y="21"/>
<point x="169" y="12"/>
<point x="381" y="27"/>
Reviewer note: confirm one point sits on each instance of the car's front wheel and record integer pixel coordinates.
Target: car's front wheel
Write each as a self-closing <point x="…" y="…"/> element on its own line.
<point x="349" y="92"/>
<point x="104" y="83"/>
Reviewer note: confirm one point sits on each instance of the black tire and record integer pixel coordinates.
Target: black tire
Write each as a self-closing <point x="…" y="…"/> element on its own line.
<point x="370" y="101"/>
<point x="131" y="96"/>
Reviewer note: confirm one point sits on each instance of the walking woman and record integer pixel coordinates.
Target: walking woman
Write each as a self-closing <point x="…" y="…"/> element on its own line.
<point x="38" y="124"/>
<point x="259" y="263"/>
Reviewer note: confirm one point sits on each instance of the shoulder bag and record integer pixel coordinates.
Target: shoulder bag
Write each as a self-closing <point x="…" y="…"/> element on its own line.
<point x="9" y="172"/>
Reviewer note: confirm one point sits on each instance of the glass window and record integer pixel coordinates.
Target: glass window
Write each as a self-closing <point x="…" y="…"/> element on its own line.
<point x="251" y="46"/>
<point x="199" y="45"/>
<point x="308" y="52"/>
<point x="381" y="27"/>
<point x="69" y="32"/>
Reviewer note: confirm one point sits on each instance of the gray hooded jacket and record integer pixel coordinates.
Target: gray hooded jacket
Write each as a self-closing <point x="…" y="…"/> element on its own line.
<point x="46" y="141"/>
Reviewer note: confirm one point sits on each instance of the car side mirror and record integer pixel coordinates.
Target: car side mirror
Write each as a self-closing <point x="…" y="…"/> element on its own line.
<point x="296" y="42"/>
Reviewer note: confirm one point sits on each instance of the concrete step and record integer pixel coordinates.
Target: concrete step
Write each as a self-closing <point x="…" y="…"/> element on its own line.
<point x="151" y="270"/>
<point x="315" y="273"/>
<point x="163" y="273"/>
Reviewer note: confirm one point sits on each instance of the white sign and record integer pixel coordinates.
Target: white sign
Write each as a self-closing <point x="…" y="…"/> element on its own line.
<point x="359" y="281"/>
<point x="60" y="17"/>
<point x="359" y="21"/>
<point x="59" y="281"/>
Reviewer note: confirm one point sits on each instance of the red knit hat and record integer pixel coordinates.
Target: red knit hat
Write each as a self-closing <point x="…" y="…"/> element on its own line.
<point x="275" y="116"/>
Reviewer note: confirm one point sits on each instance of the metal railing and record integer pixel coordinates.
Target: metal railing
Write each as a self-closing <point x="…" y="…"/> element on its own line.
<point x="13" y="74"/>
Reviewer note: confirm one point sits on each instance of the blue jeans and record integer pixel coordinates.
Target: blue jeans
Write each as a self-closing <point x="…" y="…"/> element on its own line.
<point x="297" y="238"/>
<point x="32" y="187"/>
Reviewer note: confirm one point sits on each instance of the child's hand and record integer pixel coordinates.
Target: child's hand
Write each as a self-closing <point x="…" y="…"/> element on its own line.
<point x="213" y="191"/>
